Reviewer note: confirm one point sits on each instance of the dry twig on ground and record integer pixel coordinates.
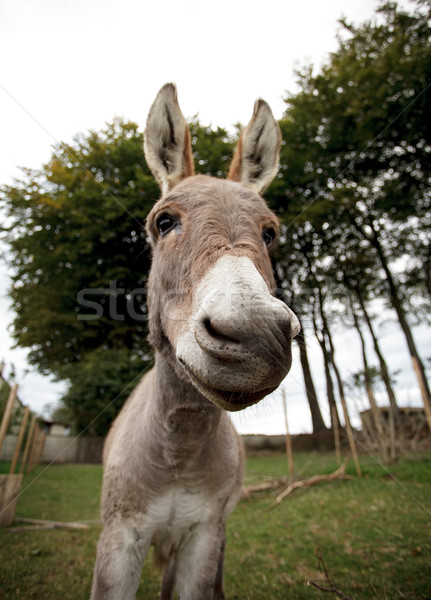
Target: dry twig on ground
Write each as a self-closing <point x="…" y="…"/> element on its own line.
<point x="34" y="524"/>
<point x="339" y="474"/>
<point x="331" y="589"/>
<point x="267" y="484"/>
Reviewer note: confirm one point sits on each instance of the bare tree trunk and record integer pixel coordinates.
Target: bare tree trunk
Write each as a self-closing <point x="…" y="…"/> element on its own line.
<point x="427" y="269"/>
<point x="330" y="392"/>
<point x="383" y="366"/>
<point x="329" y="383"/>
<point x="377" y="417"/>
<point x="317" y="421"/>
<point x="418" y="366"/>
<point x="331" y="355"/>
<point x="337" y="444"/>
<point x="310" y="390"/>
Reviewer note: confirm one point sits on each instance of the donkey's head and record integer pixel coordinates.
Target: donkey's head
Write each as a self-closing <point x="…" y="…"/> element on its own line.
<point x="212" y="312"/>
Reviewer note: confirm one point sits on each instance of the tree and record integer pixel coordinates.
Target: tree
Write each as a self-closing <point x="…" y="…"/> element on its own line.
<point x="80" y="261"/>
<point x="358" y="151"/>
<point x="74" y="227"/>
<point x="212" y="149"/>
<point x="99" y="387"/>
<point x="291" y="277"/>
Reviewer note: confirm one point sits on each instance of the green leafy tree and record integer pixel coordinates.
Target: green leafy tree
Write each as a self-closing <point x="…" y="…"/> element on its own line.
<point x="212" y="149"/>
<point x="356" y="161"/>
<point x="74" y="227"/>
<point x="99" y="387"/>
<point x="80" y="260"/>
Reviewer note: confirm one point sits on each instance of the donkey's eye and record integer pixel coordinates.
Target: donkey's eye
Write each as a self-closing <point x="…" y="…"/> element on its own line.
<point x="268" y="235"/>
<point x="165" y="223"/>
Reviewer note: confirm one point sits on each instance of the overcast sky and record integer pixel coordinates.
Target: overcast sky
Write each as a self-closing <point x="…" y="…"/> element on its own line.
<point x="71" y="65"/>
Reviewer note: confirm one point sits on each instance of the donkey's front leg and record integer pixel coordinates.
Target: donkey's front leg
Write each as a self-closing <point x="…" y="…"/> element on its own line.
<point x="167" y="591"/>
<point x="199" y="573"/>
<point x="120" y="555"/>
<point x="219" y="581"/>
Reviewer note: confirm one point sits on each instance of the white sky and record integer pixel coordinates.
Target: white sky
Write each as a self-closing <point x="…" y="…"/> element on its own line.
<point x="71" y="65"/>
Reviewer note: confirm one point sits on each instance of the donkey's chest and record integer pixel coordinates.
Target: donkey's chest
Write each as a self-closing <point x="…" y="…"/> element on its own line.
<point x="179" y="507"/>
<point x="172" y="518"/>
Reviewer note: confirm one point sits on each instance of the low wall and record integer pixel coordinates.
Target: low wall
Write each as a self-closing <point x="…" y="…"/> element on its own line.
<point x="8" y="449"/>
<point x="257" y="443"/>
<point x="60" y="449"/>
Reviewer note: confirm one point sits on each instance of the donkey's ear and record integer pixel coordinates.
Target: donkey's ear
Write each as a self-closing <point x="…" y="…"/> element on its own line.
<point x="167" y="147"/>
<point x="256" y="158"/>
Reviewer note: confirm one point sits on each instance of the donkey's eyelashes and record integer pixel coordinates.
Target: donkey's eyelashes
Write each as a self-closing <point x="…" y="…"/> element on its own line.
<point x="166" y="223"/>
<point x="269" y="235"/>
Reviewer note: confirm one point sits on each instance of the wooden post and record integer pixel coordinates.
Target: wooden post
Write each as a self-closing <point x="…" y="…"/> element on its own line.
<point x="288" y="438"/>
<point x="33" y="450"/>
<point x="10" y="486"/>
<point x="40" y="449"/>
<point x="7" y="414"/>
<point x="350" y="436"/>
<point x="27" y="444"/>
<point x="20" y="438"/>
<point x="336" y="436"/>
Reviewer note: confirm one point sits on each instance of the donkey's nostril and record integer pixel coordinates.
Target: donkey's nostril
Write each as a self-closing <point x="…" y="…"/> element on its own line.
<point x="215" y="331"/>
<point x="218" y="339"/>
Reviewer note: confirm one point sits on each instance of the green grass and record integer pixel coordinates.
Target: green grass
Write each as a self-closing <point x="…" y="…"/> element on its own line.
<point x="374" y="535"/>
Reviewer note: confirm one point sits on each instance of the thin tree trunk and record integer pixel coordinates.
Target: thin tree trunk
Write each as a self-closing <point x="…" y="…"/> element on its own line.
<point x="331" y="354"/>
<point x="427" y="269"/>
<point x="317" y="421"/>
<point x="330" y="392"/>
<point x="383" y="366"/>
<point x="329" y="383"/>
<point x="377" y="417"/>
<point x="310" y="390"/>
<point x="418" y="366"/>
<point x="394" y="412"/>
<point x="337" y="445"/>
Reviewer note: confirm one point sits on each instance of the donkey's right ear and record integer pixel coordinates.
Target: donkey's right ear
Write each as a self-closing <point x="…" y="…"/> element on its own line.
<point x="167" y="146"/>
<point x="255" y="162"/>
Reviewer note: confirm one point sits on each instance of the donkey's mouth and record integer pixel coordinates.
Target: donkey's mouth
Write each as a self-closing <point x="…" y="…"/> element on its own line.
<point x="227" y="400"/>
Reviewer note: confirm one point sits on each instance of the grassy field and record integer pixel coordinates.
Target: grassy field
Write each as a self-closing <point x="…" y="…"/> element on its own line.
<point x="374" y="535"/>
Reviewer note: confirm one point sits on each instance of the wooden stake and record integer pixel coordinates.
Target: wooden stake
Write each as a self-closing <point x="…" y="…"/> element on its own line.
<point x="288" y="438"/>
<point x="27" y="444"/>
<point x="7" y="414"/>
<point x="10" y="486"/>
<point x="19" y="441"/>
<point x="336" y="436"/>
<point x="34" y="445"/>
<point x="350" y="436"/>
<point x="40" y="449"/>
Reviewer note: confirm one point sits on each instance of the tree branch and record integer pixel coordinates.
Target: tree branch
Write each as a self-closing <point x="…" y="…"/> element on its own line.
<point x="338" y="474"/>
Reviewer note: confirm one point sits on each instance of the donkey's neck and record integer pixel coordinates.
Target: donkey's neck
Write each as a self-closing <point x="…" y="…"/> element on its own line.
<point x="181" y="409"/>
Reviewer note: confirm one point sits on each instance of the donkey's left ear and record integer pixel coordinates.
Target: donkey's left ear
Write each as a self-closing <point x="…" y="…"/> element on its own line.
<point x="167" y="146"/>
<point x="257" y="155"/>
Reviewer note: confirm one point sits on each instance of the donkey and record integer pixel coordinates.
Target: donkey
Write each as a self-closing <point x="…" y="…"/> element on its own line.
<point x="173" y="462"/>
